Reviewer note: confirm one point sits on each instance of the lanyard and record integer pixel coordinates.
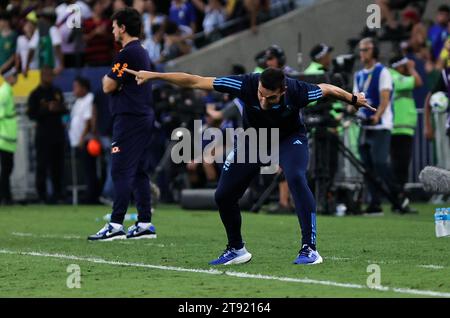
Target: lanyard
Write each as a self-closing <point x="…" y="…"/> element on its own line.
<point x="366" y="85"/>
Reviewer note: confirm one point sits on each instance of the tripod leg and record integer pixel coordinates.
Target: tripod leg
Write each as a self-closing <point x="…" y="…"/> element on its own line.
<point x="257" y="206"/>
<point x="360" y="167"/>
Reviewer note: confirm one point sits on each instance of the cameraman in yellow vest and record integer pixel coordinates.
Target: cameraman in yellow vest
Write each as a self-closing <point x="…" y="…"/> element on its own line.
<point x="8" y="134"/>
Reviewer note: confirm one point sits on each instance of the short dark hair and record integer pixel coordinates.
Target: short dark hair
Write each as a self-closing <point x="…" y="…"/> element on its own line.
<point x="273" y="79"/>
<point x="171" y="27"/>
<point x="5" y="16"/>
<point x="11" y="71"/>
<point x="131" y="19"/>
<point x="238" y="69"/>
<point x="444" y="8"/>
<point x="156" y="27"/>
<point x="84" y="82"/>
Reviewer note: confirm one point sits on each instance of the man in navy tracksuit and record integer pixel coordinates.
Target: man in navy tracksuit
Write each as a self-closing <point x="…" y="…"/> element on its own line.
<point x="133" y="117"/>
<point x="270" y="101"/>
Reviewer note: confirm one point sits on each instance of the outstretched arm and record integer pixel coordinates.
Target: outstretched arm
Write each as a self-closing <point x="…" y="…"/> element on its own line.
<point x="179" y="79"/>
<point x="332" y="91"/>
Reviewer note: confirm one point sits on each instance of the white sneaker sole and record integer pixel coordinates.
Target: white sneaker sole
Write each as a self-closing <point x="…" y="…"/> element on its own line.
<point x="148" y="236"/>
<point x="119" y="237"/>
<point x="319" y="260"/>
<point x="240" y="259"/>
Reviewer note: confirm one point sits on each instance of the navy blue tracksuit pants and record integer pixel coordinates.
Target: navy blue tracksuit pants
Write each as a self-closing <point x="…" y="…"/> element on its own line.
<point x="130" y="159"/>
<point x="235" y="178"/>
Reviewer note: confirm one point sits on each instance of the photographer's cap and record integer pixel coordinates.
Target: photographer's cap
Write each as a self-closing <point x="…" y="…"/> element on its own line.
<point x="10" y="72"/>
<point x="398" y="61"/>
<point x="319" y="51"/>
<point x="32" y="17"/>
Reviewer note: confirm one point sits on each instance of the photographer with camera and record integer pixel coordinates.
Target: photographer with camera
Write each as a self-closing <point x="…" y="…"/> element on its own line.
<point x="320" y="59"/>
<point x="276" y="58"/>
<point x="325" y="138"/>
<point x="375" y="81"/>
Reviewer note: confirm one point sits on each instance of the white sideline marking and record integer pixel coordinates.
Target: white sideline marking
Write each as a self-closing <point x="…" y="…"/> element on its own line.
<point x="102" y="261"/>
<point x="333" y="258"/>
<point x="336" y="258"/>
<point x="229" y="273"/>
<point x="21" y="234"/>
<point x="67" y="237"/>
<point x="431" y="266"/>
<point x="295" y="280"/>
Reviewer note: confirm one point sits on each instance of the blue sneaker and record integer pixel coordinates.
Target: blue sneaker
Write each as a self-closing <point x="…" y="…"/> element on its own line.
<point x="108" y="233"/>
<point x="232" y="256"/>
<point x="308" y="256"/>
<point x="136" y="232"/>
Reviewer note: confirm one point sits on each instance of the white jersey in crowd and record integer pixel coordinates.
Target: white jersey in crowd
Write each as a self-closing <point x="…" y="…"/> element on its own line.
<point x="81" y="112"/>
<point x="63" y="13"/>
<point x="24" y="45"/>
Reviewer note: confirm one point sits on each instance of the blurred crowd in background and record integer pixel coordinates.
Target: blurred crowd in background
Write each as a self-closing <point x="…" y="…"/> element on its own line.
<point x="39" y="32"/>
<point x="35" y="35"/>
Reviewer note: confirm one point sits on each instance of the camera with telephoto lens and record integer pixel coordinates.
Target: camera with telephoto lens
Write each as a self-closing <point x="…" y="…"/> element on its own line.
<point x="341" y="76"/>
<point x="177" y="107"/>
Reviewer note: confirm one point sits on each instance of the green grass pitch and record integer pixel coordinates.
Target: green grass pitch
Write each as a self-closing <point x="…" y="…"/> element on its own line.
<point x="38" y="243"/>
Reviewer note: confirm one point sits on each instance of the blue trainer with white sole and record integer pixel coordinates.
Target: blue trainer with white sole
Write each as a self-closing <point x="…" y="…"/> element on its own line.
<point x="137" y="232"/>
<point x="232" y="256"/>
<point x="108" y="233"/>
<point x="308" y="256"/>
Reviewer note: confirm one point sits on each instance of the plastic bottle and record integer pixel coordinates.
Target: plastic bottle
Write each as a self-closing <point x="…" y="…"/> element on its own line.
<point x="442" y="222"/>
<point x="341" y="209"/>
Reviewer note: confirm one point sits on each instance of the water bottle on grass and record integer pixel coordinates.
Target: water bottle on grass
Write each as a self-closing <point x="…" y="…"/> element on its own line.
<point x="442" y="221"/>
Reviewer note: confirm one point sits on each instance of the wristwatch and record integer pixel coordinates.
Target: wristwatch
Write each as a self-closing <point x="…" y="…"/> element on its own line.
<point x="354" y="100"/>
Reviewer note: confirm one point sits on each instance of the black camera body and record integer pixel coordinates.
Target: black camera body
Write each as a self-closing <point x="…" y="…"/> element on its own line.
<point x="319" y="114"/>
<point x="341" y="76"/>
<point x="177" y="107"/>
<point x="343" y="65"/>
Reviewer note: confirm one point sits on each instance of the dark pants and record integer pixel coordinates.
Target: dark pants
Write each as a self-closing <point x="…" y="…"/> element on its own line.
<point x="401" y="154"/>
<point x="236" y="177"/>
<point x="6" y="166"/>
<point x="130" y="164"/>
<point x="374" y="146"/>
<point x="73" y="60"/>
<point x="89" y="164"/>
<point x="49" y="157"/>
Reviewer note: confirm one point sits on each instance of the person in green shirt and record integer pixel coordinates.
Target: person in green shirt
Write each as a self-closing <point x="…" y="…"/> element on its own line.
<point x="8" y="134"/>
<point x="405" y="79"/>
<point x="8" y="39"/>
<point x="320" y="56"/>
